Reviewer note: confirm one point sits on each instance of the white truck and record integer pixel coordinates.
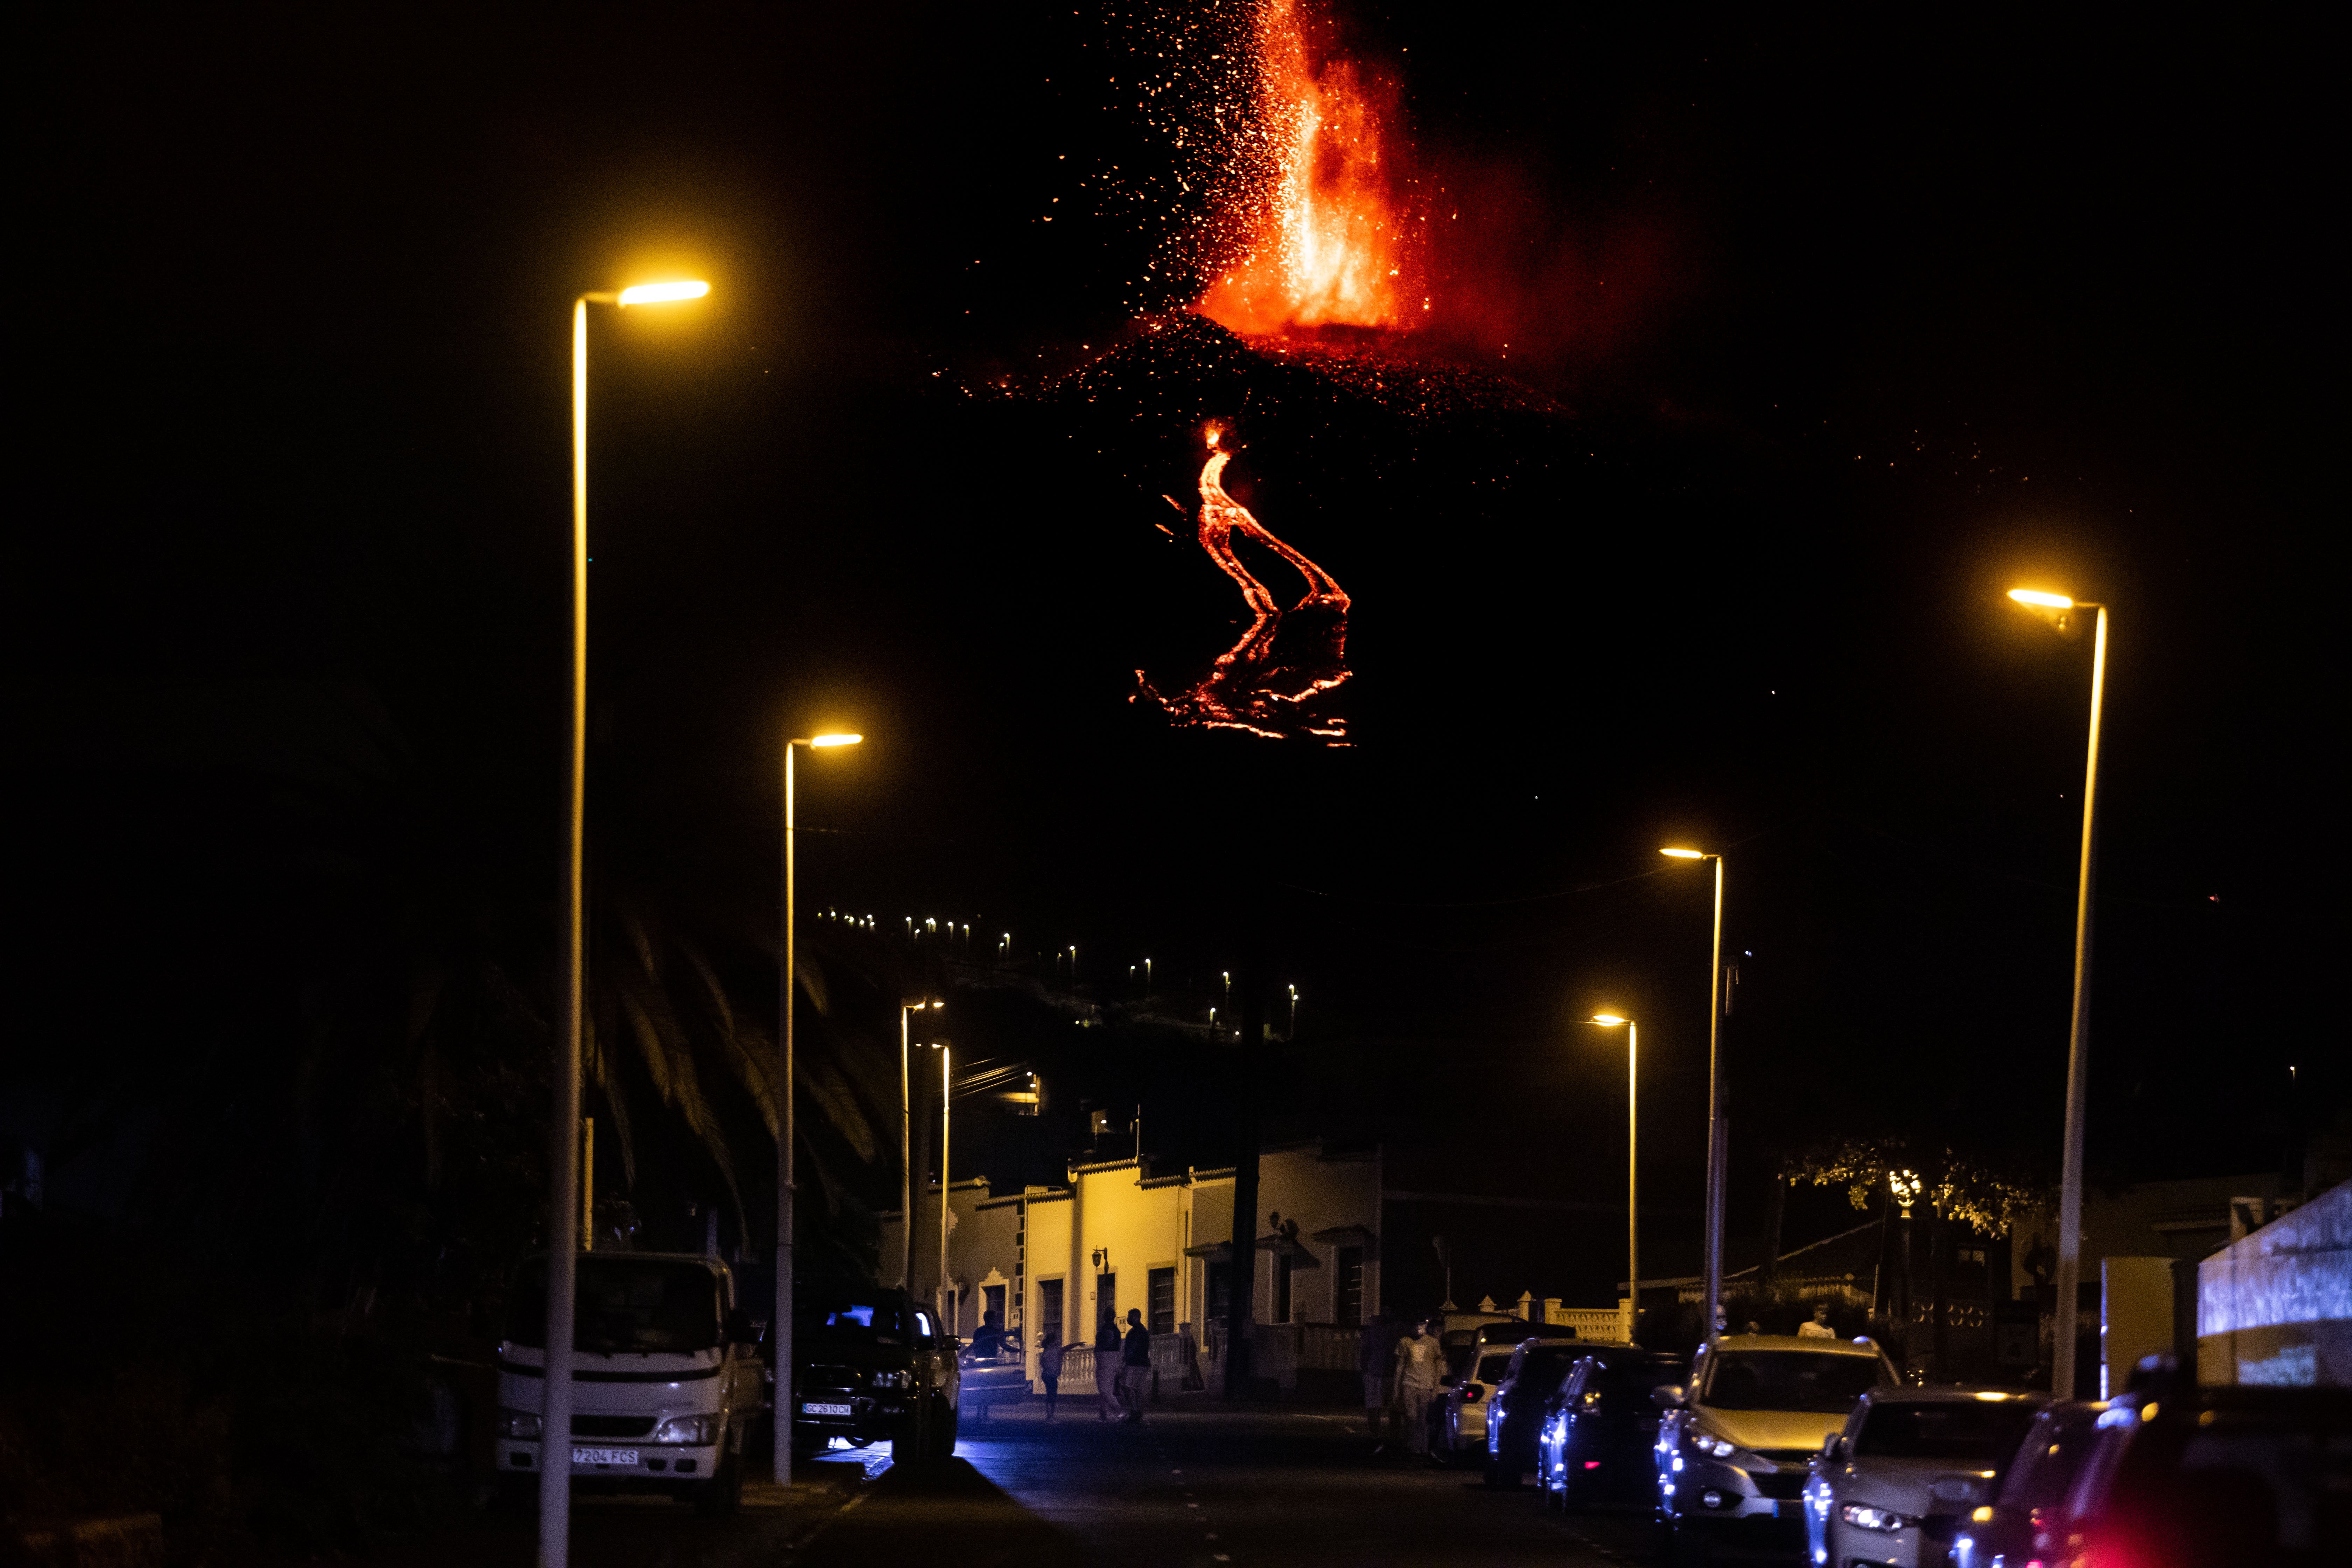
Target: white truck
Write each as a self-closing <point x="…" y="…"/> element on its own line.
<point x="664" y="1378"/>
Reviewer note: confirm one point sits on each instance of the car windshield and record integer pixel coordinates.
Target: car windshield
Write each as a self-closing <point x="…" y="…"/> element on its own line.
<point x="874" y="1320"/>
<point x="1492" y="1369"/>
<point x="625" y="1306"/>
<point x="1806" y="1380"/>
<point x="1546" y="1368"/>
<point x="1637" y="1378"/>
<point x="1980" y="1434"/>
<point x="2045" y="1465"/>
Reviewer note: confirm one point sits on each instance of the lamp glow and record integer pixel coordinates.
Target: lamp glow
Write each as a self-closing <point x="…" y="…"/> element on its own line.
<point x="663" y="293"/>
<point x="2044" y="601"/>
<point x="837" y="740"/>
<point x="1610" y="1019"/>
<point x="1684" y="854"/>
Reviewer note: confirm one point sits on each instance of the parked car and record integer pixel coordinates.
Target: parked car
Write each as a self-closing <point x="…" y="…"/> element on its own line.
<point x="2209" y="1478"/>
<point x="991" y="1372"/>
<point x="871" y="1365"/>
<point x="1457" y="1418"/>
<point x="664" y="1379"/>
<point x="1894" y="1486"/>
<point x="1514" y="1411"/>
<point x="2031" y="1488"/>
<point x="1600" y="1428"/>
<point x="1734" y="1446"/>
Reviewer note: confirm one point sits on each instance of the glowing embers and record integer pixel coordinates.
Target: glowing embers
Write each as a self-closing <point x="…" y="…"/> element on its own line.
<point x="1323" y="243"/>
<point x="1278" y="680"/>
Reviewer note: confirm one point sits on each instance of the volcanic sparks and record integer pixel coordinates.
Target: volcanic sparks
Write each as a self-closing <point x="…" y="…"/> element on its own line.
<point x="1272" y="681"/>
<point x="1322" y="242"/>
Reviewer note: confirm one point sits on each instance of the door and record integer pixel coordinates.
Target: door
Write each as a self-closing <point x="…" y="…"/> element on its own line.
<point x="1049" y="1311"/>
<point x="1106" y="1306"/>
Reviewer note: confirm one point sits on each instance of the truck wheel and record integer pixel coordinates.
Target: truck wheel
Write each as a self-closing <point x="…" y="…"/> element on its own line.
<point x="723" y="1492"/>
<point x="943" y="1429"/>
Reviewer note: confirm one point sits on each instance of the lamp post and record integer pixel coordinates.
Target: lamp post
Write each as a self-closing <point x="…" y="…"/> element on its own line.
<point x="2058" y="611"/>
<point x="1718" y="1138"/>
<point x="563" y="1132"/>
<point x="942" y="1298"/>
<point x="1633" y="1169"/>
<point x="906" y="1150"/>
<point x="780" y="1335"/>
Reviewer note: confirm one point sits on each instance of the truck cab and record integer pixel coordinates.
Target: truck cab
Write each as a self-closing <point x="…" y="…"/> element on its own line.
<point x="665" y="1377"/>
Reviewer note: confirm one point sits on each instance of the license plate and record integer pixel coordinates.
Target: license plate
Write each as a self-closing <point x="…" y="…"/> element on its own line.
<point x="603" y="1456"/>
<point x="824" y="1409"/>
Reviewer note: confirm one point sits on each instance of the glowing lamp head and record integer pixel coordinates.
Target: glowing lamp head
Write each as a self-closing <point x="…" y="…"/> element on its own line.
<point x="663" y="293"/>
<point x="1684" y="853"/>
<point x="2042" y="601"/>
<point x="837" y="740"/>
<point x="1611" y="1019"/>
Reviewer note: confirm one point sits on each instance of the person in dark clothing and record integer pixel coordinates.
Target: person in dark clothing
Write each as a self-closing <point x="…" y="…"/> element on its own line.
<point x="1049" y="1372"/>
<point x="1135" y="1364"/>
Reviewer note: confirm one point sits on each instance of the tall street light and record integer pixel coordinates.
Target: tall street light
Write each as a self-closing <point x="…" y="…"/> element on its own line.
<point x="563" y="1132"/>
<point x="907" y="1149"/>
<point x="780" y="1336"/>
<point x="1633" y="1170"/>
<point x="942" y="1298"/>
<point x="2058" y="611"/>
<point x="1717" y="1137"/>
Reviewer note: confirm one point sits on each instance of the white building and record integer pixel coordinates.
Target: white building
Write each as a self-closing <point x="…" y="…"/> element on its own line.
<point x="1060" y="1260"/>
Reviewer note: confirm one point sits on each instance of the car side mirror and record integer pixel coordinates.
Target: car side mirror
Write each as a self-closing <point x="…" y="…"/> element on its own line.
<point x="740" y="1329"/>
<point x="1668" y="1396"/>
<point x="1834" y="1449"/>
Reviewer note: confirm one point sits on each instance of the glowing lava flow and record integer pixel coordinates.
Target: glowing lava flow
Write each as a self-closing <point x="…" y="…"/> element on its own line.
<point x="1324" y="245"/>
<point x="1268" y="683"/>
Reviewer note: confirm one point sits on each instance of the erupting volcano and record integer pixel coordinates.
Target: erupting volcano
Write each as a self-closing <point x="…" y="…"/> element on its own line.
<point x="1276" y="680"/>
<point x="1320" y="241"/>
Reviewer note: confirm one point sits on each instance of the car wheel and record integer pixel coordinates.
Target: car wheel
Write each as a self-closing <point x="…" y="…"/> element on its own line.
<point x="943" y="1428"/>
<point x="911" y="1444"/>
<point x="1688" y="1545"/>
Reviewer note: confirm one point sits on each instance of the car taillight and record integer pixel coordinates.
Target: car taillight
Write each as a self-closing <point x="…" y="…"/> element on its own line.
<point x="1592" y="1463"/>
<point x="1470" y="1395"/>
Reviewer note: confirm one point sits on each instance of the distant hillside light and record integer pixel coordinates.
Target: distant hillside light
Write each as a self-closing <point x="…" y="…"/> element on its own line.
<point x="837" y="740"/>
<point x="2043" y="601"/>
<point x="662" y="293"/>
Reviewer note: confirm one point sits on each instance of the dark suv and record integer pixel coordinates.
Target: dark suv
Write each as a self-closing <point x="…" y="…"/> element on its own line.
<point x="869" y="1364"/>
<point x="1515" y="1414"/>
<point x="1600" y="1428"/>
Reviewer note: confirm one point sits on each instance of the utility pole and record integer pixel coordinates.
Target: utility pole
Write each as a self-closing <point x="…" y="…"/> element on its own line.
<point x="1242" y="1283"/>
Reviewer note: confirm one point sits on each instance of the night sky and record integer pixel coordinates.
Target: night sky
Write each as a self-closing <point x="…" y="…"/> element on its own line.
<point x="1820" y="335"/>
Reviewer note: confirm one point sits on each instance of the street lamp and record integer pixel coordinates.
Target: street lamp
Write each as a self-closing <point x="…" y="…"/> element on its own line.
<point x="563" y="1148"/>
<point x="1633" y="1170"/>
<point x="780" y="1336"/>
<point x="906" y="1150"/>
<point x="2058" y="611"/>
<point x="1718" y="1136"/>
<point x="940" y="1297"/>
<point x="1294" y="1012"/>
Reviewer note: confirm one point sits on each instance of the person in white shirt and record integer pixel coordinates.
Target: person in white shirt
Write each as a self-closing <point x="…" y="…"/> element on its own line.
<point x="1420" y="1363"/>
<point x="1818" y="1328"/>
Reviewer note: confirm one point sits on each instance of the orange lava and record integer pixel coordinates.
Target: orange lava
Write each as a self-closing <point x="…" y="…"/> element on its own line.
<point x="1268" y="683"/>
<point x="1325" y="245"/>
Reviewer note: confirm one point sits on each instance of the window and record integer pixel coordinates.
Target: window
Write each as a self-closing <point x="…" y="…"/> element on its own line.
<point x="1049" y="1309"/>
<point x="1974" y="1435"/>
<point x="1281" y="1313"/>
<point x="1160" y="1307"/>
<point x="1348" y="1288"/>
<point x="992" y="1306"/>
<point x="1220" y="1291"/>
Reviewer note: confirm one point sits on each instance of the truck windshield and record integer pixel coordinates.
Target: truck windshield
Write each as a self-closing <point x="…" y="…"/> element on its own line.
<point x="1805" y="1380"/>
<point x="855" y="1319"/>
<point x="624" y="1305"/>
<point x="1980" y="1436"/>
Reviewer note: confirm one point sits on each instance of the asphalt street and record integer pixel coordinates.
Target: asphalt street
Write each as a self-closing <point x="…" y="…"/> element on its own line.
<point x="1199" y="1487"/>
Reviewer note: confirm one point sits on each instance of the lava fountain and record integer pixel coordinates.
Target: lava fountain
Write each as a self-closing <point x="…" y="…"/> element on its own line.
<point x="1274" y="682"/>
<point x="1319" y="237"/>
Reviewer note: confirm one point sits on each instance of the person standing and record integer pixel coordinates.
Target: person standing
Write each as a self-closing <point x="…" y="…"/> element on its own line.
<point x="1135" y="1364"/>
<point x="1419" y="1362"/>
<point x="1049" y="1372"/>
<point x="1189" y="1349"/>
<point x="1818" y="1328"/>
<point x="1106" y="1369"/>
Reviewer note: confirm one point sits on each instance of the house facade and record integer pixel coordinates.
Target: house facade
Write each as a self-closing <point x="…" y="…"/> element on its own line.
<point x="1120" y="1236"/>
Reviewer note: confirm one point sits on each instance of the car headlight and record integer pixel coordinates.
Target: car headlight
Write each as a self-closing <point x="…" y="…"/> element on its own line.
<point x="1862" y="1516"/>
<point x="887" y="1380"/>
<point x="1714" y="1446"/>
<point x="519" y="1425"/>
<point x="694" y="1431"/>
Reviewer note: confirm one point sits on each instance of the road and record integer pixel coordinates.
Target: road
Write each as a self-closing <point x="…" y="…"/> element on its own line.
<point x="1196" y="1488"/>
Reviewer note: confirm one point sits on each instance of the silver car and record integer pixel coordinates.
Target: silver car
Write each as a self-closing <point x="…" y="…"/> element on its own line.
<point x="1891" y="1488"/>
